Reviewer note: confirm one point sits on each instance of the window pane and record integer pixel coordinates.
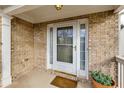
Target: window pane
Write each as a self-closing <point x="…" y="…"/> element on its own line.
<point x="64" y="35"/>
<point x="82" y="46"/>
<point x="51" y="45"/>
<point x="64" y="44"/>
<point x="82" y="66"/>
<point x="64" y="53"/>
<point x="82" y="56"/>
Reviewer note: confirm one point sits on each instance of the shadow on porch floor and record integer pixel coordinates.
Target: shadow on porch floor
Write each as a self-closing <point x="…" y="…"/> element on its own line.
<point x="41" y="79"/>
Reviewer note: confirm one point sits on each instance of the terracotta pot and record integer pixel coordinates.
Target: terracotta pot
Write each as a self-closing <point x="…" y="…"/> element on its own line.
<point x="99" y="85"/>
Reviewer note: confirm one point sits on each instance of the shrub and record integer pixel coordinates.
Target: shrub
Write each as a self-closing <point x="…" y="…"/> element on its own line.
<point x="102" y="78"/>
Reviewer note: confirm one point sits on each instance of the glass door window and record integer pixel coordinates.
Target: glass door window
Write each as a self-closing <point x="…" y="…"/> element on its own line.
<point x="65" y="44"/>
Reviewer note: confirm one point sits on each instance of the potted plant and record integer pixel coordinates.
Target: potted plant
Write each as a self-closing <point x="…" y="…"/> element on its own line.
<point x="100" y="80"/>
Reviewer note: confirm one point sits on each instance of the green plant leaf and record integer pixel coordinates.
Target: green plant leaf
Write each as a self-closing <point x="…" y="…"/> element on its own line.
<point x="101" y="78"/>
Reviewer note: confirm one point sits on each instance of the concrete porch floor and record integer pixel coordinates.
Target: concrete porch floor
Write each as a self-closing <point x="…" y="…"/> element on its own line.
<point x="41" y="79"/>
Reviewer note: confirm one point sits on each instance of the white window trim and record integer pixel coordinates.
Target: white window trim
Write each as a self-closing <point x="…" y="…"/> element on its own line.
<point x="49" y="66"/>
<point x="85" y="72"/>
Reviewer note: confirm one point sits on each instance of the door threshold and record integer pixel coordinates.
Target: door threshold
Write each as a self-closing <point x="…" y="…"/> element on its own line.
<point x="65" y="73"/>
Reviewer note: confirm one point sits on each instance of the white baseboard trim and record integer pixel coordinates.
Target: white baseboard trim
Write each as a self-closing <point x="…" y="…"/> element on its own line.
<point x="6" y="81"/>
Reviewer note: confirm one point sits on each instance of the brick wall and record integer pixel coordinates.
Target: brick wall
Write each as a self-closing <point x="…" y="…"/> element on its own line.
<point x="40" y="41"/>
<point x="103" y="41"/>
<point x="22" y="47"/>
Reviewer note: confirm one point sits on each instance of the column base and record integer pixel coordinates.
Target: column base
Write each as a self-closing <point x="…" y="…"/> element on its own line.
<point x="6" y="81"/>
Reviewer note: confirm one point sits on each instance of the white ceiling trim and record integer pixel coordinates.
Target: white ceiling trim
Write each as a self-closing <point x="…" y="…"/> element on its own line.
<point x="18" y="9"/>
<point x="12" y="8"/>
<point x="120" y="9"/>
<point x="27" y="18"/>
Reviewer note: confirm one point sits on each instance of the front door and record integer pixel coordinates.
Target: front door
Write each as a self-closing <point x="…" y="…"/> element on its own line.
<point x="67" y="47"/>
<point x="64" y="47"/>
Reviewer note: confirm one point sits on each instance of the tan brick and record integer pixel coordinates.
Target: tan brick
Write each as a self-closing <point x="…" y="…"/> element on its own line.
<point x="22" y="47"/>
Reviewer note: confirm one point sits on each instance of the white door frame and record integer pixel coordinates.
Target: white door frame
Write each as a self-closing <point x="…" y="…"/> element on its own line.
<point x="82" y="73"/>
<point x="79" y="72"/>
<point x="63" y="66"/>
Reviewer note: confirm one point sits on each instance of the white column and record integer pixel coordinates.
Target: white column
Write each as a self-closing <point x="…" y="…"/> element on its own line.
<point x="119" y="75"/>
<point x="6" y="50"/>
<point x="121" y="35"/>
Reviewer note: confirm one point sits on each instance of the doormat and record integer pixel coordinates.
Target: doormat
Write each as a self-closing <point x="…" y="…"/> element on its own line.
<point x="62" y="82"/>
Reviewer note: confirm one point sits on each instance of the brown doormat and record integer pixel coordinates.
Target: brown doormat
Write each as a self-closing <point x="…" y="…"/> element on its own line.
<point x="64" y="82"/>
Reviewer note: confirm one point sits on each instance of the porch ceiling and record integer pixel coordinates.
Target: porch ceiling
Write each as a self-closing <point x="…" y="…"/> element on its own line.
<point x="42" y="13"/>
<point x="48" y="12"/>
